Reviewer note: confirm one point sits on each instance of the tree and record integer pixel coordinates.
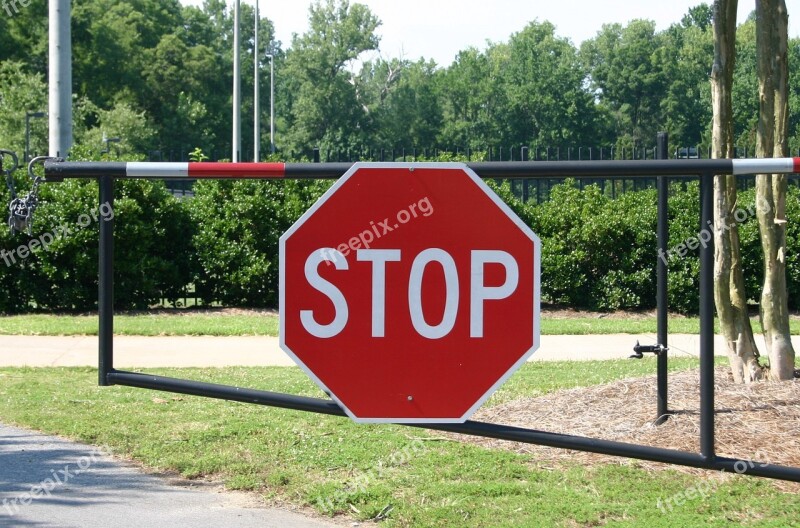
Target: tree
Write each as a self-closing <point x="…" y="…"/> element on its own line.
<point x="326" y="110"/>
<point x="471" y="93"/>
<point x="685" y="58"/>
<point x="628" y="78"/>
<point x="402" y="99"/>
<point x="21" y="92"/>
<point x="729" y="290"/>
<point x="772" y="46"/>
<point x="543" y="84"/>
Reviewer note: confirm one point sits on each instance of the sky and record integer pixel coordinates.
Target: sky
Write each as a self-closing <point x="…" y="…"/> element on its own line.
<point x="439" y="29"/>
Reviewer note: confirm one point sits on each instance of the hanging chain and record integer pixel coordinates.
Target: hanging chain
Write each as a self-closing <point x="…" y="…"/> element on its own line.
<point x="21" y="210"/>
<point x="19" y="215"/>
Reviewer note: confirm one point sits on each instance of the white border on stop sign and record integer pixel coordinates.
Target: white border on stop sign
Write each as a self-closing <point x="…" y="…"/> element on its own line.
<point x="498" y="202"/>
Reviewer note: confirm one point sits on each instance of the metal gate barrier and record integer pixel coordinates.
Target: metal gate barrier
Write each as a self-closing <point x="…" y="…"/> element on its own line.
<point x="106" y="173"/>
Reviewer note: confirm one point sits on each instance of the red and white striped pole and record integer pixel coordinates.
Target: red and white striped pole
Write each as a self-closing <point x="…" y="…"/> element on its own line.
<point x="766" y="166"/>
<point x="213" y="170"/>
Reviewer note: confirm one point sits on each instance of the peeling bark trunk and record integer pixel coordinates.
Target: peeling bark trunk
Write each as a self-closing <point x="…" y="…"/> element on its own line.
<point x="772" y="48"/>
<point x="729" y="291"/>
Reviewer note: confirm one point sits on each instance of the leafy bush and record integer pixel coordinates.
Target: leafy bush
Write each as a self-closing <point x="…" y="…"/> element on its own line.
<point x="239" y="225"/>
<point x="752" y="255"/>
<point x="683" y="276"/>
<point x="601" y="253"/>
<point x="14" y="274"/>
<point x="152" y="245"/>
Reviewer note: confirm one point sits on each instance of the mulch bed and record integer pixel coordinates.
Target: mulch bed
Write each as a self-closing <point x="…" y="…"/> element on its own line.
<point x="758" y="422"/>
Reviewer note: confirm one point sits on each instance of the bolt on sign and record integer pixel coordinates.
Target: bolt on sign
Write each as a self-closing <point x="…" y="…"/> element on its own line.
<point x="409" y="292"/>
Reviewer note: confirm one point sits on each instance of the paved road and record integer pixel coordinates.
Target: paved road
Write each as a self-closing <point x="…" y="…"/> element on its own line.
<point x="141" y="352"/>
<point x="50" y="482"/>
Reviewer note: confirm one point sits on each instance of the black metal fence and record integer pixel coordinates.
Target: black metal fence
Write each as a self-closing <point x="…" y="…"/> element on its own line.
<point x="531" y="189"/>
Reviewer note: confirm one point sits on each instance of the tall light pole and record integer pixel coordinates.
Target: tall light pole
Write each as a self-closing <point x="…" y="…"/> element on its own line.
<point x="59" y="60"/>
<point x="271" y="102"/>
<point x="257" y="98"/>
<point x="237" y="87"/>
<point x="28" y="116"/>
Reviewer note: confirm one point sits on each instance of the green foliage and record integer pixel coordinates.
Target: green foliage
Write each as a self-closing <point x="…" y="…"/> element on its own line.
<point x="566" y="264"/>
<point x="131" y="129"/>
<point x="151" y="254"/>
<point x="197" y="155"/>
<point x="153" y="237"/>
<point x="326" y="110"/>
<point x="21" y="92"/>
<point x="14" y="278"/>
<point x="684" y="223"/>
<point x="238" y="228"/>
<point x="601" y="253"/>
<point x="161" y="74"/>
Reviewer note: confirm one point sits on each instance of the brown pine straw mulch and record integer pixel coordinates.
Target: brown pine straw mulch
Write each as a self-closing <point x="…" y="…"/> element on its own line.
<point x="758" y="422"/>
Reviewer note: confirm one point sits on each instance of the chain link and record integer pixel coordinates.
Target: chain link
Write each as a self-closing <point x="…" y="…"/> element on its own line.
<point x="21" y="210"/>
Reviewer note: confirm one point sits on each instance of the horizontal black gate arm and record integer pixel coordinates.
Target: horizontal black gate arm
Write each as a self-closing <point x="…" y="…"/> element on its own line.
<point x="56" y="170"/>
<point x="490" y="430"/>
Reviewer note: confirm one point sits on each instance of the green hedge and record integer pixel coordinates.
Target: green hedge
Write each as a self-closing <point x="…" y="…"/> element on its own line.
<point x="238" y="227"/>
<point x="153" y="237"/>
<point x="597" y="252"/>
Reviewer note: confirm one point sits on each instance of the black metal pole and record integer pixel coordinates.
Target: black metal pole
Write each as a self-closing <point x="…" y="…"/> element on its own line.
<point x="490" y="430"/>
<point x="525" y="183"/>
<point x="662" y="308"/>
<point x="707" y="319"/>
<point x="58" y="170"/>
<point x="105" y="283"/>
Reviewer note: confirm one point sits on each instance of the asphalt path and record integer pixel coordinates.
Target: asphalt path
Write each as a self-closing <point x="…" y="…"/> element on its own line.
<point x="46" y="481"/>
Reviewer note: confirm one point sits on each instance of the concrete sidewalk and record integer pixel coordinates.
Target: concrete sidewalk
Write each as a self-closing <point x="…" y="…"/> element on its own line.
<point x="142" y="352"/>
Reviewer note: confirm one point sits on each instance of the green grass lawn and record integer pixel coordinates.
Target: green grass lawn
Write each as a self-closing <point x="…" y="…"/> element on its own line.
<point x="214" y="324"/>
<point x="340" y="468"/>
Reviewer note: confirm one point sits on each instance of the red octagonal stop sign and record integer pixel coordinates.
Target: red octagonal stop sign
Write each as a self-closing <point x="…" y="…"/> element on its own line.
<point x="409" y="292"/>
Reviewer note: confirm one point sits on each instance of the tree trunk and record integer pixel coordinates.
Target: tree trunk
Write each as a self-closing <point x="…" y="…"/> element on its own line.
<point x="771" y="45"/>
<point x="729" y="292"/>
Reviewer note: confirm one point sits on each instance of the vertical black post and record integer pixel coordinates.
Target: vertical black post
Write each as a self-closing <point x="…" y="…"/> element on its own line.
<point x="661" y="284"/>
<point x="707" y="320"/>
<point x="523" y="154"/>
<point x="105" y="286"/>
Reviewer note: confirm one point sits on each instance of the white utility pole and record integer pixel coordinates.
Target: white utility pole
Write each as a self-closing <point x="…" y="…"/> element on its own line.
<point x="60" y="79"/>
<point x="257" y="98"/>
<point x="237" y="87"/>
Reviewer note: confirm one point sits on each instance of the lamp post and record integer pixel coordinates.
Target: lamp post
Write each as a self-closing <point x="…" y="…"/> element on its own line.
<point x="271" y="58"/>
<point x="108" y="141"/>
<point x="28" y="116"/>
